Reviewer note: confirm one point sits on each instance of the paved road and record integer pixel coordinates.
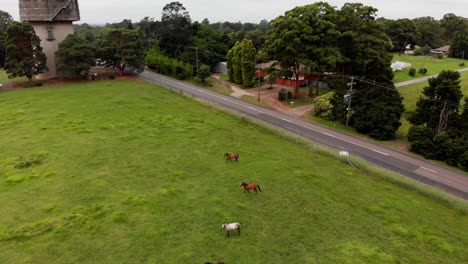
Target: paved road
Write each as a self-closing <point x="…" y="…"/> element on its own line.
<point x="402" y="163"/>
<point x="401" y="84"/>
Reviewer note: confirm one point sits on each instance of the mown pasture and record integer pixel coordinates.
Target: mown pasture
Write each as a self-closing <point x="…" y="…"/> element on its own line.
<point x="432" y="64"/>
<point x="128" y="172"/>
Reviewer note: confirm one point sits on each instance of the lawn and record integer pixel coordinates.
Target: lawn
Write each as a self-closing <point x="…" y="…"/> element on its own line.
<point x="128" y="172"/>
<point x="4" y="78"/>
<point x="433" y="65"/>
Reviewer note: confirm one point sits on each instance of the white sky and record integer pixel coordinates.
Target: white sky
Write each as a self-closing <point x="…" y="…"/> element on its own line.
<point x="101" y="11"/>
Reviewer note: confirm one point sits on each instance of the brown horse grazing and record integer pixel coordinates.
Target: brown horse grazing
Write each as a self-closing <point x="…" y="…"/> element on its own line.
<point x="230" y="156"/>
<point x="250" y="186"/>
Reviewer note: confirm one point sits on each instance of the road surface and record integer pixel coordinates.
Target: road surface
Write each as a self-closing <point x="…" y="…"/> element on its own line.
<point x="412" y="167"/>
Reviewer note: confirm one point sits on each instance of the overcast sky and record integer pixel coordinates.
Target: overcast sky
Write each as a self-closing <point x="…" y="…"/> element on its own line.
<point x="102" y="11"/>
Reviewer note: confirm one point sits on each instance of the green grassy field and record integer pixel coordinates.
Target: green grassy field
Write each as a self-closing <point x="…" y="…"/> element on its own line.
<point x="4" y="78"/>
<point x="128" y="172"/>
<point x="433" y="66"/>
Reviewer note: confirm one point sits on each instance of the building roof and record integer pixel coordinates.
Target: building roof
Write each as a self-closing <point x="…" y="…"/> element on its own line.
<point x="267" y="65"/>
<point x="443" y="49"/>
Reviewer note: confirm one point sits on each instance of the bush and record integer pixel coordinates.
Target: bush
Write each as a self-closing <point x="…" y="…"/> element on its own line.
<point x="412" y="72"/>
<point x="282" y="94"/>
<point x="440" y="56"/>
<point x="33" y="84"/>
<point x="462" y="64"/>
<point x="422" y="71"/>
<point x="160" y="63"/>
<point x="112" y="76"/>
<point x="422" y="51"/>
<point x="323" y="107"/>
<point x="418" y="133"/>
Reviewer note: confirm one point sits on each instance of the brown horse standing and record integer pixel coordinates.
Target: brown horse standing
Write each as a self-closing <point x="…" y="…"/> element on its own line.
<point x="230" y="156"/>
<point x="250" y="186"/>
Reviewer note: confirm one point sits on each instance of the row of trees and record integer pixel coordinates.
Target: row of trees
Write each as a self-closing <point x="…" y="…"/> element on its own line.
<point x="163" y="64"/>
<point x="440" y="123"/>
<point x="241" y="63"/>
<point x="117" y="48"/>
<point x="349" y="41"/>
<point x="428" y="31"/>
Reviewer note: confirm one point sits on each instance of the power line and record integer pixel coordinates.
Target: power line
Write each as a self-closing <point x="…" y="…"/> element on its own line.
<point x="430" y="99"/>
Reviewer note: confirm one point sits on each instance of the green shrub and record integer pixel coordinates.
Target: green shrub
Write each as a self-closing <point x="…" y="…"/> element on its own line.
<point x="412" y="72"/>
<point x="462" y="64"/>
<point x="426" y="50"/>
<point x="422" y="71"/>
<point x="33" y="84"/>
<point x="160" y="63"/>
<point x="440" y="56"/>
<point x="417" y="133"/>
<point x="323" y="107"/>
<point x="282" y="94"/>
<point x="112" y="76"/>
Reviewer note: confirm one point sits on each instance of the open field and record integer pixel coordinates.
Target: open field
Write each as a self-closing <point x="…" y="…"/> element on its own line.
<point x="433" y="66"/>
<point x="128" y="172"/>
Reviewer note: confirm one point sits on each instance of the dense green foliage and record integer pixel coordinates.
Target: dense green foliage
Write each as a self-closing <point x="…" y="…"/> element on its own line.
<point x="157" y="61"/>
<point x="204" y="72"/>
<point x="24" y="56"/>
<point x="121" y="49"/>
<point x="144" y="181"/>
<point x="424" y="31"/>
<point x="366" y="49"/>
<point x="5" y="21"/>
<point x="429" y="136"/>
<point x="176" y="29"/>
<point x="75" y="56"/>
<point x="304" y="38"/>
<point x="402" y="33"/>
<point x="247" y="54"/>
<point x="459" y="47"/>
<point x="241" y="63"/>
<point x="323" y="106"/>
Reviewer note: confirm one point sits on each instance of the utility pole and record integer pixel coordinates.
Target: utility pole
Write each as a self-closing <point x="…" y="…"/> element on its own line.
<point x="443" y="120"/>
<point x="196" y="52"/>
<point x="259" y="84"/>
<point x="349" y="101"/>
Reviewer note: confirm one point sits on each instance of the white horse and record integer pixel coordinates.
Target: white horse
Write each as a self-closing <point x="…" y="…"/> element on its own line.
<point x="231" y="226"/>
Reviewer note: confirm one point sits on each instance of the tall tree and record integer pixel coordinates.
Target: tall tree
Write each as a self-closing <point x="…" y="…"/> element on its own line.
<point x="211" y="48"/>
<point x="176" y="29"/>
<point x="122" y="49"/>
<point x="430" y="32"/>
<point x="459" y="47"/>
<point x="402" y="32"/>
<point x="237" y="63"/>
<point x="248" y="53"/>
<point x="452" y="24"/>
<point x="305" y="36"/>
<point x="443" y="88"/>
<point x="366" y="48"/>
<point x="75" y="56"/>
<point x="24" y="56"/>
<point x="438" y="131"/>
<point x="5" y="21"/>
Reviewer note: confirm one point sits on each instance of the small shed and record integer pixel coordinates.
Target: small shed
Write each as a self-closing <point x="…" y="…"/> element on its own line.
<point x="220" y="67"/>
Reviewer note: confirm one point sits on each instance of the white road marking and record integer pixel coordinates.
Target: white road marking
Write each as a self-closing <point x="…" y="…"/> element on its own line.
<point x="262" y="112"/>
<point x="424" y="168"/>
